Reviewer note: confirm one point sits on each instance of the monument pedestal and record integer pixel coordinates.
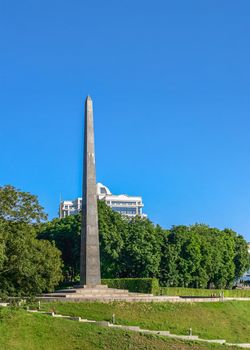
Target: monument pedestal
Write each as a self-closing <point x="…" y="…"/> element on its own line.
<point x="99" y="292"/>
<point x="93" y="293"/>
<point x="88" y="291"/>
<point x="91" y="286"/>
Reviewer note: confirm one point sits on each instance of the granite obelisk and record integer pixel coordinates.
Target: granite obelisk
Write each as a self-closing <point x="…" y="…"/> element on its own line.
<point x="90" y="287"/>
<point x="90" y="274"/>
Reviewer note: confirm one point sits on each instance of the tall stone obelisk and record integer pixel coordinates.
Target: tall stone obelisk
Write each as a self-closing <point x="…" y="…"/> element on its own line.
<point x="90" y="274"/>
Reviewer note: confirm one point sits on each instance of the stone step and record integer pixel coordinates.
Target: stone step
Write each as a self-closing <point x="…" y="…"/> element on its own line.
<point x="184" y="337"/>
<point x="218" y="341"/>
<point x="132" y="328"/>
<point x="83" y="298"/>
<point x="51" y="295"/>
<point x="79" y="295"/>
<point x="76" y="289"/>
<point x="89" y="286"/>
<point x="84" y="291"/>
<point x="110" y="292"/>
<point x="140" y="294"/>
<point x="101" y="292"/>
<point x="94" y="298"/>
<point x="86" y="296"/>
<point x="165" y="333"/>
<point x="240" y="345"/>
<point x="107" y="295"/>
<point x="65" y="291"/>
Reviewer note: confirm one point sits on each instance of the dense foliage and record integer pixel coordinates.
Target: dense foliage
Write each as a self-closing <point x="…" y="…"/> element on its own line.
<point x="27" y="265"/>
<point x="66" y="235"/>
<point x="18" y="206"/>
<point x="185" y="256"/>
<point x="195" y="256"/>
<point x="201" y="256"/>
<point x="198" y="292"/>
<point x="139" y="285"/>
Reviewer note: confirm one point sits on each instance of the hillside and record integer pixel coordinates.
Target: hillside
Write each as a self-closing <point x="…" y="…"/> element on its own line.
<point x="220" y="320"/>
<point x="20" y="330"/>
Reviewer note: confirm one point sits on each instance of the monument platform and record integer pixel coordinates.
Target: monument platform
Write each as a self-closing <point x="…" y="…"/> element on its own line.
<point x="94" y="293"/>
<point x="107" y="295"/>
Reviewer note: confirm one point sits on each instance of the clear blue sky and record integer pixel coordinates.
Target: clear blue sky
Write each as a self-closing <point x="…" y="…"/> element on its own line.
<point x="170" y="81"/>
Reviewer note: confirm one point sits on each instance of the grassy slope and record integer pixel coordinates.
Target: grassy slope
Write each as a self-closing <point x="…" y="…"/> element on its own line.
<point x="20" y="330"/>
<point x="224" y="320"/>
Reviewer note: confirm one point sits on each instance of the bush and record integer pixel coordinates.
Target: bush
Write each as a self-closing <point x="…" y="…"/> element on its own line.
<point x="138" y="285"/>
<point x="238" y="293"/>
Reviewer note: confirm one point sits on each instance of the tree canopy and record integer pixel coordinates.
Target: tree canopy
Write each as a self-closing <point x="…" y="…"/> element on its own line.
<point x="27" y="265"/>
<point x="188" y="256"/>
<point x="19" y="206"/>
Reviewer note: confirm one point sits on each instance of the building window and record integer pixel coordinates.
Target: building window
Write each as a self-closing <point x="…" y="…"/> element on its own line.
<point x="126" y="211"/>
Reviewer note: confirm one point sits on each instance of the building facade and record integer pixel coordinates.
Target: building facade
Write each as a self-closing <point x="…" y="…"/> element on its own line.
<point x="128" y="206"/>
<point x="246" y="276"/>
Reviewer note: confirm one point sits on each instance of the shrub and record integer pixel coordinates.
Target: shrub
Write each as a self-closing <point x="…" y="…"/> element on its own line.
<point x="203" y="292"/>
<point x="138" y="285"/>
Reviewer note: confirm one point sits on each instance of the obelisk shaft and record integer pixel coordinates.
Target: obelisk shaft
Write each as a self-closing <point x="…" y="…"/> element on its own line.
<point x="90" y="251"/>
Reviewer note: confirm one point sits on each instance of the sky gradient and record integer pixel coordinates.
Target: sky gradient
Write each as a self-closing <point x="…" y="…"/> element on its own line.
<point x="170" y="83"/>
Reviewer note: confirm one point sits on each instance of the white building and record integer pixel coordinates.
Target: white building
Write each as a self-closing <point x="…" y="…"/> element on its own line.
<point x="129" y="206"/>
<point x="246" y="276"/>
<point x="67" y="208"/>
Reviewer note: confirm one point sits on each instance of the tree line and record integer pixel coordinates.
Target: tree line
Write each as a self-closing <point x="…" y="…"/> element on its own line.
<point x="36" y="254"/>
<point x="196" y="256"/>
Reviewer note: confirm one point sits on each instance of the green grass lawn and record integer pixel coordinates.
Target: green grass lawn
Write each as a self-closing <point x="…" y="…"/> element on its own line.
<point x="20" y="330"/>
<point x="221" y="320"/>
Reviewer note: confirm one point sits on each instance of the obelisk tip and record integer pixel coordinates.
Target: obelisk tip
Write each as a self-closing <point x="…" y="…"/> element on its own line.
<point x="88" y="98"/>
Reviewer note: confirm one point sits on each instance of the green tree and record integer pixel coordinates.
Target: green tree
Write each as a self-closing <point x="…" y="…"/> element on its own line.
<point x="16" y="206"/>
<point x="27" y="265"/>
<point x="65" y="233"/>
<point x="190" y="256"/>
<point x="127" y="248"/>
<point x="201" y="256"/>
<point x="241" y="255"/>
<point x="141" y="254"/>
<point x="30" y="266"/>
<point x="113" y="230"/>
<point x="2" y="248"/>
<point x="186" y="248"/>
<point x="168" y="272"/>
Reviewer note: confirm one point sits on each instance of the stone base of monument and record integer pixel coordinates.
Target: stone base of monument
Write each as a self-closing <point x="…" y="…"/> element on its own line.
<point x="94" y="293"/>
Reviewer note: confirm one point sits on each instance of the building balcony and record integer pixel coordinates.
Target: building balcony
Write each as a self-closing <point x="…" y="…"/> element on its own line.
<point x="134" y="205"/>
